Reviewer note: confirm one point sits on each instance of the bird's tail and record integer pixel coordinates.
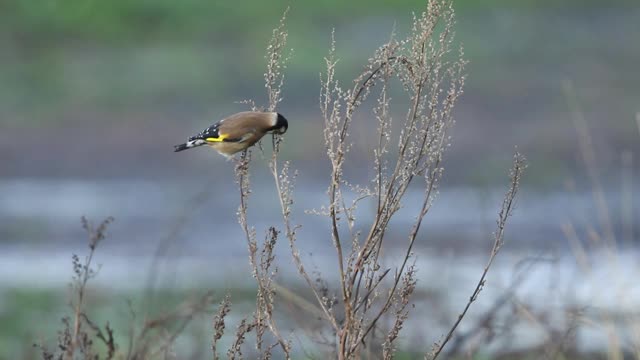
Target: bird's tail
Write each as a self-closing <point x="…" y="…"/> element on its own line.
<point x="189" y="144"/>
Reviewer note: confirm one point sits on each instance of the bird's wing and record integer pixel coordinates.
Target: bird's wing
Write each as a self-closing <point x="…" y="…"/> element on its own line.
<point x="245" y="126"/>
<point x="215" y="133"/>
<point x="241" y="127"/>
<point x="212" y="132"/>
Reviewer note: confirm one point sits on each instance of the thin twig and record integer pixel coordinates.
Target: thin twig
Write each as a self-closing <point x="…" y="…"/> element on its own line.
<point x="519" y="164"/>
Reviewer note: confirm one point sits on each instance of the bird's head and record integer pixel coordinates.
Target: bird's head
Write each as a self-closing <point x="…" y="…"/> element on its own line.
<point x="281" y="125"/>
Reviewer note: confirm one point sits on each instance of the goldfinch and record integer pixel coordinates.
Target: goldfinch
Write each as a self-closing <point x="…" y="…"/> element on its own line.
<point x="237" y="132"/>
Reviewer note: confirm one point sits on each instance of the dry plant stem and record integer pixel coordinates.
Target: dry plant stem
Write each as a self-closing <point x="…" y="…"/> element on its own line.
<point x="83" y="272"/>
<point x="337" y="161"/>
<point x="106" y="339"/>
<point x="400" y="271"/>
<point x="394" y="191"/>
<point x="274" y="79"/>
<point x="284" y="196"/>
<point x="219" y="325"/>
<point x="242" y="173"/>
<point x="235" y="351"/>
<point x="384" y="123"/>
<point x="401" y="313"/>
<point x="156" y="337"/>
<point x="487" y="323"/>
<point x="420" y="64"/>
<point x="432" y="139"/>
<point x="260" y="268"/>
<point x="519" y="164"/>
<point x="266" y="295"/>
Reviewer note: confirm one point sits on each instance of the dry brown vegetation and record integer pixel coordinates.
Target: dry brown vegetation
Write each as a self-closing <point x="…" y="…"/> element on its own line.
<point x="362" y="314"/>
<point x="431" y="70"/>
<point x="81" y="338"/>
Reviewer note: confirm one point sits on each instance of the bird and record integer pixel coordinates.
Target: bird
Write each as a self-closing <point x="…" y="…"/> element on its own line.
<point x="237" y="132"/>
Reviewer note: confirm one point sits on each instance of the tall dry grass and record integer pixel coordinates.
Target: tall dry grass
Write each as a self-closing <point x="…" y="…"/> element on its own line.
<point x="363" y="313"/>
<point x="430" y="67"/>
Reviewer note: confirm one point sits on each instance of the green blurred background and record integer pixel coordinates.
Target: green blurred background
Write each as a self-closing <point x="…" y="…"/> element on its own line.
<point x="144" y="74"/>
<point x="95" y="93"/>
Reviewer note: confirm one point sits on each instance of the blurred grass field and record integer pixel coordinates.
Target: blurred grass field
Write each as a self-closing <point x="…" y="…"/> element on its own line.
<point x="140" y="72"/>
<point x="66" y="60"/>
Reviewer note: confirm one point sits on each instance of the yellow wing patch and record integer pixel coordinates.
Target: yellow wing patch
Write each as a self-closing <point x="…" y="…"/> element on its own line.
<point x="216" y="139"/>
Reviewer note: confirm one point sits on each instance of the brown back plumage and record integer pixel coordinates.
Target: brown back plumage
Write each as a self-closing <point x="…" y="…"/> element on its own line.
<point x="246" y="126"/>
<point x="237" y="132"/>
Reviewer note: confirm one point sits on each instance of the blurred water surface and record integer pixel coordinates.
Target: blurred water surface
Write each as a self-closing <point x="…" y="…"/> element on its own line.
<point x="41" y="215"/>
